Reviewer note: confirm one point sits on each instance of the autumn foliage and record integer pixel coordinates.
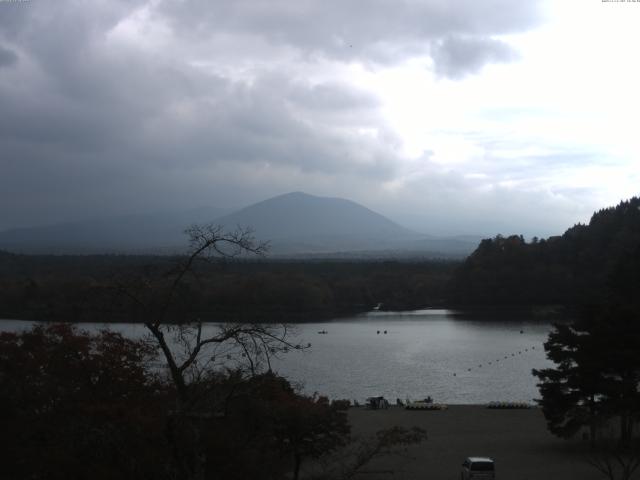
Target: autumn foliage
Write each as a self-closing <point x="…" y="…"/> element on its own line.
<point x="79" y="405"/>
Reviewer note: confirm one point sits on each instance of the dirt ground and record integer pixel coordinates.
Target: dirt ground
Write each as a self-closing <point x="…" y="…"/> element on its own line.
<point x="517" y="440"/>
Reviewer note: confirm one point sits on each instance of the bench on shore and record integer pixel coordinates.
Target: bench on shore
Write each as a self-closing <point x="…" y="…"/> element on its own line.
<point x="509" y="405"/>
<point x="425" y="406"/>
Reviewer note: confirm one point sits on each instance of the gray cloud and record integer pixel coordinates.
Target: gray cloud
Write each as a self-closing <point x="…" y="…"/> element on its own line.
<point x="91" y="126"/>
<point x="378" y="31"/>
<point x="459" y="56"/>
<point x="445" y="201"/>
<point x="91" y="130"/>
<point x="7" y="57"/>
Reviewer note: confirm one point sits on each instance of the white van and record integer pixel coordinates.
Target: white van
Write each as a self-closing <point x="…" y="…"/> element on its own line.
<point x="478" y="468"/>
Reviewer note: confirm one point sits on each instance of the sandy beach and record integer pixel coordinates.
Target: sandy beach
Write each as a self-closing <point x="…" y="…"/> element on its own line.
<point x="517" y="440"/>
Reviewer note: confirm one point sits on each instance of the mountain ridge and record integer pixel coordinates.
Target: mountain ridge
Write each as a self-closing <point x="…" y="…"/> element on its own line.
<point x="305" y="216"/>
<point x="294" y="223"/>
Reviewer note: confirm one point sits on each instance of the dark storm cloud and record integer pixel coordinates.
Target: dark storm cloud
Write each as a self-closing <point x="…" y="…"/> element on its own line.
<point x="88" y="130"/>
<point x="274" y="121"/>
<point x="92" y="125"/>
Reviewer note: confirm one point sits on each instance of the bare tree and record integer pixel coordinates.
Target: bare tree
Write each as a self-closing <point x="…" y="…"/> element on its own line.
<point x="190" y="349"/>
<point x="615" y="461"/>
<point x="356" y="459"/>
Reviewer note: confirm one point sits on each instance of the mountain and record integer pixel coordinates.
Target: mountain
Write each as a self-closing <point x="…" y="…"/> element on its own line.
<point x="300" y="223"/>
<point x="306" y="225"/>
<point x="143" y="233"/>
<point x="295" y="224"/>
<point x="299" y="214"/>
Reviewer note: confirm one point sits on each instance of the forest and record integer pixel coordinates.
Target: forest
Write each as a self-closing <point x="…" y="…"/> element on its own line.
<point x="505" y="271"/>
<point x="85" y="288"/>
<point x="564" y="270"/>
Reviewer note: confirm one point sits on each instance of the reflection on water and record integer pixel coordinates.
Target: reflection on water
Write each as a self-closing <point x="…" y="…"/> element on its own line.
<point x="452" y="357"/>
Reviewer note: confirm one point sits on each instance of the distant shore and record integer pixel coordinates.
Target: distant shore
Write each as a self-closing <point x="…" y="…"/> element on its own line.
<point x="540" y="313"/>
<point x="517" y="440"/>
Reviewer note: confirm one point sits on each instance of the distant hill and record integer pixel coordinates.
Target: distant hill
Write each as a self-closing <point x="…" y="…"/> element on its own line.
<point x="144" y="233"/>
<point x="567" y="269"/>
<point x="296" y="225"/>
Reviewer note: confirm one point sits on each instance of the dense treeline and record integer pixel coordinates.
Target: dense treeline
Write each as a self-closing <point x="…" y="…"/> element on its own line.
<point x="84" y="288"/>
<point x="567" y="269"/>
<point x="77" y="405"/>
<point x="595" y="382"/>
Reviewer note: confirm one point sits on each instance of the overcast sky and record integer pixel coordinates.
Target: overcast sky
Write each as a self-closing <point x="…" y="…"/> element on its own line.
<point x="449" y="116"/>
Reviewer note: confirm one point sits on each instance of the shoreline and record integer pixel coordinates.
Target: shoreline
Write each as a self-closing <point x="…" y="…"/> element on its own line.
<point x="535" y="313"/>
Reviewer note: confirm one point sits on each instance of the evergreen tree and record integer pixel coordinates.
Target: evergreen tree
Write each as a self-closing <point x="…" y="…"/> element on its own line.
<point x="571" y="392"/>
<point x="597" y="373"/>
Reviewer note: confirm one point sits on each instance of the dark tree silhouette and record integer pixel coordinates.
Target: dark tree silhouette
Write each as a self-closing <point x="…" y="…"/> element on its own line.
<point x="572" y="391"/>
<point x="190" y="349"/>
<point x="564" y="270"/>
<point x="597" y="376"/>
<point x="73" y="403"/>
<point x="614" y="461"/>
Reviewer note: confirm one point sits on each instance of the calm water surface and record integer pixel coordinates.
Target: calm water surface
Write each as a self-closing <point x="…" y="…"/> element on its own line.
<point x="452" y="357"/>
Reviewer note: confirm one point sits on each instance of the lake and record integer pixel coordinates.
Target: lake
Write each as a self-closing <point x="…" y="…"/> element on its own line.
<point x="453" y="357"/>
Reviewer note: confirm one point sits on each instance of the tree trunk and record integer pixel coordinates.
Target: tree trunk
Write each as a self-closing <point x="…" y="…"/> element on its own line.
<point x="199" y="455"/>
<point x="297" y="459"/>
<point x="625" y="429"/>
<point x="593" y="422"/>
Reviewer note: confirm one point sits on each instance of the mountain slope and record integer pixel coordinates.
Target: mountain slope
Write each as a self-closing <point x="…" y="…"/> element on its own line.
<point x="301" y="222"/>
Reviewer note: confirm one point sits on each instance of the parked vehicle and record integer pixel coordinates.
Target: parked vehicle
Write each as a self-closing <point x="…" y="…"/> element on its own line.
<point x="478" y="468"/>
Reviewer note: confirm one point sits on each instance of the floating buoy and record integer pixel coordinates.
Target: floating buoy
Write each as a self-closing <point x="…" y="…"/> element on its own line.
<point x="385" y="332"/>
<point x="378" y="332"/>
